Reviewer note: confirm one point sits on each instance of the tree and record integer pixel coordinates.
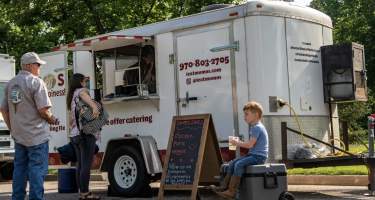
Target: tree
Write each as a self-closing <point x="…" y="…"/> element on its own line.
<point x="354" y="21"/>
<point x="39" y="25"/>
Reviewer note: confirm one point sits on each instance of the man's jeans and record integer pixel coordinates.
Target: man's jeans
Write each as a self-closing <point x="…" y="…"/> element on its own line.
<point x="30" y="163"/>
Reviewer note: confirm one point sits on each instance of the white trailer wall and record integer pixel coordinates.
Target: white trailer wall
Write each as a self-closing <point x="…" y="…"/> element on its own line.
<point x="284" y="60"/>
<point x="242" y="80"/>
<point x="304" y="40"/>
<point x="267" y="60"/>
<point x="7" y="68"/>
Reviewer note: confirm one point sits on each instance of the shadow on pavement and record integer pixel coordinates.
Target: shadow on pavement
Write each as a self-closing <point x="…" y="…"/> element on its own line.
<point x="204" y="194"/>
<point x="363" y="193"/>
<point x="351" y="195"/>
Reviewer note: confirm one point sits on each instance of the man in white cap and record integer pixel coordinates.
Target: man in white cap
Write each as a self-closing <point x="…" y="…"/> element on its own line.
<point x="26" y="111"/>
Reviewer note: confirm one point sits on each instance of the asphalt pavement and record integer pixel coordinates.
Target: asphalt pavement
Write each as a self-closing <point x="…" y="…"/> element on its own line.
<point x="301" y="192"/>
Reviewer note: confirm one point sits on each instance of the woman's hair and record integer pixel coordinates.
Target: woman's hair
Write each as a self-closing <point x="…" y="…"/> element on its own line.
<point x="75" y="83"/>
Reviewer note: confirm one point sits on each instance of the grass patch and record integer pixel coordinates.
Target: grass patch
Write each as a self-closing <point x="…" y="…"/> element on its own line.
<point x="357" y="148"/>
<point x="340" y="170"/>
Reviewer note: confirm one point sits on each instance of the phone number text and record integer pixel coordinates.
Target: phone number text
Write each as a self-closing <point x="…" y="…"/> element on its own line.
<point x="204" y="63"/>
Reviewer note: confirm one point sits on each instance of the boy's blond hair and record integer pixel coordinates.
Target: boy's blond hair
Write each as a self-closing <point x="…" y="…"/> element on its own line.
<point x="254" y="107"/>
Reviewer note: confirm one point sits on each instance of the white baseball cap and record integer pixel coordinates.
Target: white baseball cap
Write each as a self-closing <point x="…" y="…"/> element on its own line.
<point x="30" y="58"/>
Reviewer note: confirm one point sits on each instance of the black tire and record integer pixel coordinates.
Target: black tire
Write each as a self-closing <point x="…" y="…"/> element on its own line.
<point x="124" y="179"/>
<point x="286" y="196"/>
<point x="7" y="171"/>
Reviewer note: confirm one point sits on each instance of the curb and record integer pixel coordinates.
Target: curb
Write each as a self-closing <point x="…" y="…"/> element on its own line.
<point x="340" y="180"/>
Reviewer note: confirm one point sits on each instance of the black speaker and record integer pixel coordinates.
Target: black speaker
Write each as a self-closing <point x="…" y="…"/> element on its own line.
<point x="344" y="73"/>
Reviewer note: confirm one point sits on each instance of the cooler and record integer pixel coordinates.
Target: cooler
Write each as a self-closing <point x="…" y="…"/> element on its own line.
<point x="67" y="180"/>
<point x="264" y="182"/>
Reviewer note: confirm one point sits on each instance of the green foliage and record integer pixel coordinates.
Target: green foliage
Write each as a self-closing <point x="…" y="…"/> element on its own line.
<point x="355" y="113"/>
<point x="39" y="25"/>
<point x="354" y="21"/>
<point x="358" y="136"/>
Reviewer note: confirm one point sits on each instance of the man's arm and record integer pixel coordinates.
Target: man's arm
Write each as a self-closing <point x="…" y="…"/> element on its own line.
<point x="43" y="102"/>
<point x="46" y="114"/>
<point x="6" y="118"/>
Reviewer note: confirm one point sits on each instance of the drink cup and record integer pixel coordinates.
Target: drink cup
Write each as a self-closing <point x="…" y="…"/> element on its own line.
<point x="231" y="146"/>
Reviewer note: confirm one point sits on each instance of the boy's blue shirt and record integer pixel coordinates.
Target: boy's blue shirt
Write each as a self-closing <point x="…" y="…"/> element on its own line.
<point x="259" y="132"/>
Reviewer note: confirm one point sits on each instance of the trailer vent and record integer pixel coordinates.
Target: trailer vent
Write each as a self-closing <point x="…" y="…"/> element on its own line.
<point x="215" y="6"/>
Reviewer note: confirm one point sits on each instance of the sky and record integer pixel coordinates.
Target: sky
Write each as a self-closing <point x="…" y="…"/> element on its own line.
<point x="303" y="2"/>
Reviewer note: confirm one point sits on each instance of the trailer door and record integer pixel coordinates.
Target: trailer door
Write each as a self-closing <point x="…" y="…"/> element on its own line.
<point x="55" y="77"/>
<point x="204" y="75"/>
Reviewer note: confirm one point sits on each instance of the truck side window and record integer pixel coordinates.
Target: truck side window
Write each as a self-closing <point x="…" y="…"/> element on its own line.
<point x="126" y="69"/>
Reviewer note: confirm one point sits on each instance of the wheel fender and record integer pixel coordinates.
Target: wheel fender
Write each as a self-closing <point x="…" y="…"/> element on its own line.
<point x="147" y="146"/>
<point x="150" y="154"/>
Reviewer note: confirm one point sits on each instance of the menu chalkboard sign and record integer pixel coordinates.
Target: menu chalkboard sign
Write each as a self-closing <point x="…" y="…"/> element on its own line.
<point x="192" y="143"/>
<point x="184" y="153"/>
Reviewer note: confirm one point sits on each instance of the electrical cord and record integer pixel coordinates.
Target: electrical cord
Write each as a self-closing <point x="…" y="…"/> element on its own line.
<point x="282" y="103"/>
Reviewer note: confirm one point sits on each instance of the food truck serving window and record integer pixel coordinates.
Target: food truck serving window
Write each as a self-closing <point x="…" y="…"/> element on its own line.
<point x="128" y="71"/>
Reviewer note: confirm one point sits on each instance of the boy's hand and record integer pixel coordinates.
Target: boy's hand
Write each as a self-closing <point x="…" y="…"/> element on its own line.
<point x="233" y="142"/>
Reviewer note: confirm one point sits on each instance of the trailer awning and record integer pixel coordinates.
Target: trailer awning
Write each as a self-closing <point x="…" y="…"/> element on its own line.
<point x="102" y="42"/>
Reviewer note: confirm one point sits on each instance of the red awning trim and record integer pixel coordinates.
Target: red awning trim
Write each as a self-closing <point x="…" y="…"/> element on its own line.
<point x="88" y="43"/>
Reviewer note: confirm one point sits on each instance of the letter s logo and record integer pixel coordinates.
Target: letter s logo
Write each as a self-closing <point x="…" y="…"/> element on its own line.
<point x="61" y="80"/>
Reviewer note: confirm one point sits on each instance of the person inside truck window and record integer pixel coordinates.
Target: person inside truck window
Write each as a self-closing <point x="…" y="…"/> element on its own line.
<point x="257" y="154"/>
<point x="147" y="72"/>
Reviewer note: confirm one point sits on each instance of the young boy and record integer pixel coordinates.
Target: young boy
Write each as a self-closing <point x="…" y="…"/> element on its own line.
<point x="257" y="145"/>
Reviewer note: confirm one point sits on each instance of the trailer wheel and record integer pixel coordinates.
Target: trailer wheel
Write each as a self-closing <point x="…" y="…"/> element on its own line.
<point x="286" y="196"/>
<point x="7" y="171"/>
<point x="127" y="172"/>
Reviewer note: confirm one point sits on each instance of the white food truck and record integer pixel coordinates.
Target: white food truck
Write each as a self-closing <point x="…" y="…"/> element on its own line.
<point x="211" y="62"/>
<point x="7" y="72"/>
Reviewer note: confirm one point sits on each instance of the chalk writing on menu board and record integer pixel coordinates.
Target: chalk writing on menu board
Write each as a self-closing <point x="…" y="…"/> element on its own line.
<point x="184" y="152"/>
